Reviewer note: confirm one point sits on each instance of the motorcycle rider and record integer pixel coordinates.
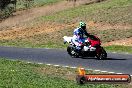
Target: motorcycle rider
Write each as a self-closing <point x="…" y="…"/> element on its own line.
<point x="78" y="36"/>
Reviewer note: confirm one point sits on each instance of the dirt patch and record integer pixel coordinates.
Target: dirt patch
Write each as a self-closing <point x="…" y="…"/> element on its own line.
<point x="26" y="15"/>
<point x="43" y="28"/>
<point x="124" y="42"/>
<point x="102" y="26"/>
<point x="106" y="26"/>
<point x="27" y="32"/>
<point x="116" y="26"/>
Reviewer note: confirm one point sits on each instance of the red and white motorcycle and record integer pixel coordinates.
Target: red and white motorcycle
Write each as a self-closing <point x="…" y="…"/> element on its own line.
<point x="91" y="48"/>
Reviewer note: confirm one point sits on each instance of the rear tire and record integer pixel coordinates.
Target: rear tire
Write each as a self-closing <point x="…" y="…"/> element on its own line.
<point x="102" y="55"/>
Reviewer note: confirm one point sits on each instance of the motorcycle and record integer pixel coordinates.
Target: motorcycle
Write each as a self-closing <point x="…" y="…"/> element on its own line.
<point x="91" y="48"/>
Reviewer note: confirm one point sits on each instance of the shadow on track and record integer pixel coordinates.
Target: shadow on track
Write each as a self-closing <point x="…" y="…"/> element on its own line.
<point x="103" y="59"/>
<point x="115" y="59"/>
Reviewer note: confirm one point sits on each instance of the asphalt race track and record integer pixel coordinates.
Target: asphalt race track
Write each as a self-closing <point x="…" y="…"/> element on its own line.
<point x="119" y="63"/>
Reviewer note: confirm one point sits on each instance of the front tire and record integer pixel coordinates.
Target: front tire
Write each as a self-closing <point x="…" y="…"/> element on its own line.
<point x="71" y="51"/>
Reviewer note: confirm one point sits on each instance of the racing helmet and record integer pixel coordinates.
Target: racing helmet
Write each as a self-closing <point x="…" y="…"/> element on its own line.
<point x="83" y="25"/>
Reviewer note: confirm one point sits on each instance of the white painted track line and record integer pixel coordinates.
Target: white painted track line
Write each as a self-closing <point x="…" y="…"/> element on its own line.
<point x="73" y="67"/>
<point x="56" y="65"/>
<point x="104" y="71"/>
<point x="40" y="63"/>
<point x="119" y="73"/>
<point x="96" y="70"/>
<point x="48" y="64"/>
<point x="111" y="72"/>
<point x="65" y="66"/>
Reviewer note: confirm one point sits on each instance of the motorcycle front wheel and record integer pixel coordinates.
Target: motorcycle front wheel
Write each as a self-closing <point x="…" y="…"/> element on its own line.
<point x="71" y="51"/>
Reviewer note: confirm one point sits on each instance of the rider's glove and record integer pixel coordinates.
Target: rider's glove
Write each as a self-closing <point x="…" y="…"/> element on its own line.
<point x="81" y="44"/>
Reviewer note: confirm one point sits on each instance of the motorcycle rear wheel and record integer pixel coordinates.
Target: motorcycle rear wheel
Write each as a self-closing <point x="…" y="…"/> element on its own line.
<point x="102" y="55"/>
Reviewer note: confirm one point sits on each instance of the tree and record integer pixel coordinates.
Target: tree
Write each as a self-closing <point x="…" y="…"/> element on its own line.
<point x="7" y="7"/>
<point x="5" y="3"/>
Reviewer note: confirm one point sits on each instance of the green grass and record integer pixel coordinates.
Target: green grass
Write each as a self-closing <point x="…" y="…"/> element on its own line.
<point x="118" y="48"/>
<point x="48" y="40"/>
<point x="45" y="2"/>
<point x="112" y="34"/>
<point x="35" y="3"/>
<point x="18" y="74"/>
<point x="111" y="11"/>
<point x="112" y="48"/>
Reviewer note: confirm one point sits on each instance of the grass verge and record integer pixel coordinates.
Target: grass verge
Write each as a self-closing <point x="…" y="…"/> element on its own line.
<point x="111" y="11"/>
<point x="35" y="3"/>
<point x="50" y="40"/>
<point x="18" y="74"/>
<point x="120" y="49"/>
<point x="111" y="48"/>
<point x="44" y="2"/>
